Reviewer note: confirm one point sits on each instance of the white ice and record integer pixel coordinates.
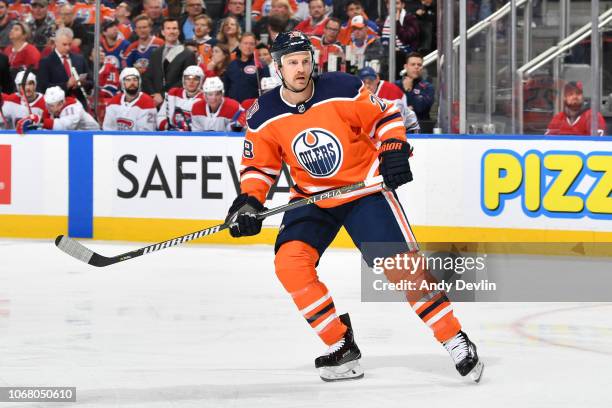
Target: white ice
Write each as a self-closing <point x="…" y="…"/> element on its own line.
<point x="210" y="326"/>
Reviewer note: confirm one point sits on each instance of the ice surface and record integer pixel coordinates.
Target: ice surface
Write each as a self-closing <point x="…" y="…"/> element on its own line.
<point x="210" y="326"/>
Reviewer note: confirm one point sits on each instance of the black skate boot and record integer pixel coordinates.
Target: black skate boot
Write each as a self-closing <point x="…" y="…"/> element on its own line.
<point x="341" y="361"/>
<point x="463" y="352"/>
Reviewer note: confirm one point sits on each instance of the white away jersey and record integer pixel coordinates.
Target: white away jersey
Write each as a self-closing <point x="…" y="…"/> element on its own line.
<point x="12" y="111"/>
<point x="223" y="119"/>
<point x="137" y="115"/>
<point x="72" y="117"/>
<point x="179" y="106"/>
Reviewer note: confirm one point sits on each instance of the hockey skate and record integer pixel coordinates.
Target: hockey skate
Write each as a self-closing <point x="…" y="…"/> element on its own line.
<point x="463" y="352"/>
<point x="341" y="361"/>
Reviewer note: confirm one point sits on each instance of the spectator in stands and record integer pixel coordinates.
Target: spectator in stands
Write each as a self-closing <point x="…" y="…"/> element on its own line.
<point x="229" y="33"/>
<point x="419" y="92"/>
<point x="122" y="15"/>
<point x="407" y="28"/>
<point x="316" y="20"/>
<point x="328" y="43"/>
<point x="201" y="30"/>
<point x="6" y="23"/>
<point x="276" y="25"/>
<point x="155" y="11"/>
<point x="66" y="18"/>
<point x="391" y="93"/>
<point x="263" y="54"/>
<point x="280" y="9"/>
<point x="219" y="61"/>
<point x="262" y="8"/>
<point x="139" y="52"/>
<point x="193" y="9"/>
<point x="113" y="44"/>
<point x="21" y="53"/>
<point x="42" y="25"/>
<point x="56" y="68"/>
<point x="354" y="8"/>
<point x="425" y="13"/>
<point x="575" y="119"/>
<point x="363" y="45"/>
<point x="242" y="75"/>
<point x="85" y="12"/>
<point x="167" y="63"/>
<point x="18" y="9"/>
<point x="236" y="9"/>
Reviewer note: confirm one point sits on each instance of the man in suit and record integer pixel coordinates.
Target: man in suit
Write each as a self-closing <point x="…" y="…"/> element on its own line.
<point x="167" y="63"/>
<point x="56" y="68"/>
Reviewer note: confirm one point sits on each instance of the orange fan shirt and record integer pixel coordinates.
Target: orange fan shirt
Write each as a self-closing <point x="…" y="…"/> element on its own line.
<point x="328" y="141"/>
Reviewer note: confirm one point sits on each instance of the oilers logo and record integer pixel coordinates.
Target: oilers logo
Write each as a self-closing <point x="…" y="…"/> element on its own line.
<point x="318" y="151"/>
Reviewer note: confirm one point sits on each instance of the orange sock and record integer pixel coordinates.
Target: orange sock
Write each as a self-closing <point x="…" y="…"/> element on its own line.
<point x="295" y="267"/>
<point x="433" y="307"/>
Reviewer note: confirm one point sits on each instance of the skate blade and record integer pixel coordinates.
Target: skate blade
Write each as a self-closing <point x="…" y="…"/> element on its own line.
<point x="348" y="371"/>
<point x="476" y="372"/>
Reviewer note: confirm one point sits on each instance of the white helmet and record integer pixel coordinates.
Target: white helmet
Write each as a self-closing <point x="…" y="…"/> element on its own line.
<point x="128" y="72"/>
<point x="19" y="78"/>
<point x="54" y="94"/>
<point x="193" y="70"/>
<point x="213" y="84"/>
<point x="268" y="83"/>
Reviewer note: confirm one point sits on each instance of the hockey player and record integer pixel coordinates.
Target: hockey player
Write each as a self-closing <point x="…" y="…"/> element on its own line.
<point x="11" y="111"/>
<point x="131" y="109"/>
<point x="64" y="113"/>
<point x="391" y="93"/>
<point x="215" y="112"/>
<point x="175" y="111"/>
<point x="34" y="99"/>
<point x="320" y="127"/>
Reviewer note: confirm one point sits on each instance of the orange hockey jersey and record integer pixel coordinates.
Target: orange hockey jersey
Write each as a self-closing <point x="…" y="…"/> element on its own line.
<point x="328" y="141"/>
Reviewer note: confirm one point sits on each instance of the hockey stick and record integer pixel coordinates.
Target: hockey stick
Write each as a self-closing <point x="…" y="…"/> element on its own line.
<point x="82" y="253"/>
<point x="22" y="91"/>
<point x="76" y="76"/>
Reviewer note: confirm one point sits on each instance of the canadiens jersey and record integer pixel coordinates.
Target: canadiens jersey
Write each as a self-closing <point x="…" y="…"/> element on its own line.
<point x="137" y="115"/>
<point x="178" y="108"/>
<point x="12" y="110"/>
<point x="37" y="106"/>
<point x="225" y="118"/>
<point x="328" y="141"/>
<point x="392" y="93"/>
<point x="71" y="117"/>
<point x="561" y="124"/>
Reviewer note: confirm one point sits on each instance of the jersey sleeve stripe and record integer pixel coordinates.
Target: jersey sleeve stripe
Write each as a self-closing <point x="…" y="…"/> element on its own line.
<point x="257" y="176"/>
<point x="267" y="170"/>
<point x="388" y="127"/>
<point x="387" y="119"/>
<point x="255" y="169"/>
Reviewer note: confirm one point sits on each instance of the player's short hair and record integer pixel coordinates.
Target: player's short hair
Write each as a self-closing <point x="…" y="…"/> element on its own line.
<point x="413" y="54"/>
<point x="143" y="17"/>
<point x="261" y="46"/>
<point x="169" y="20"/>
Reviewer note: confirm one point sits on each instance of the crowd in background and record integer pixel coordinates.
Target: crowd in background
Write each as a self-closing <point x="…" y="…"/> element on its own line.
<point x="55" y="39"/>
<point x="159" y="39"/>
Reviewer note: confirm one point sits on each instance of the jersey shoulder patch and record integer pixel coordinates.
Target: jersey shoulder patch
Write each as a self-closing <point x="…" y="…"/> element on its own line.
<point x="145" y="101"/>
